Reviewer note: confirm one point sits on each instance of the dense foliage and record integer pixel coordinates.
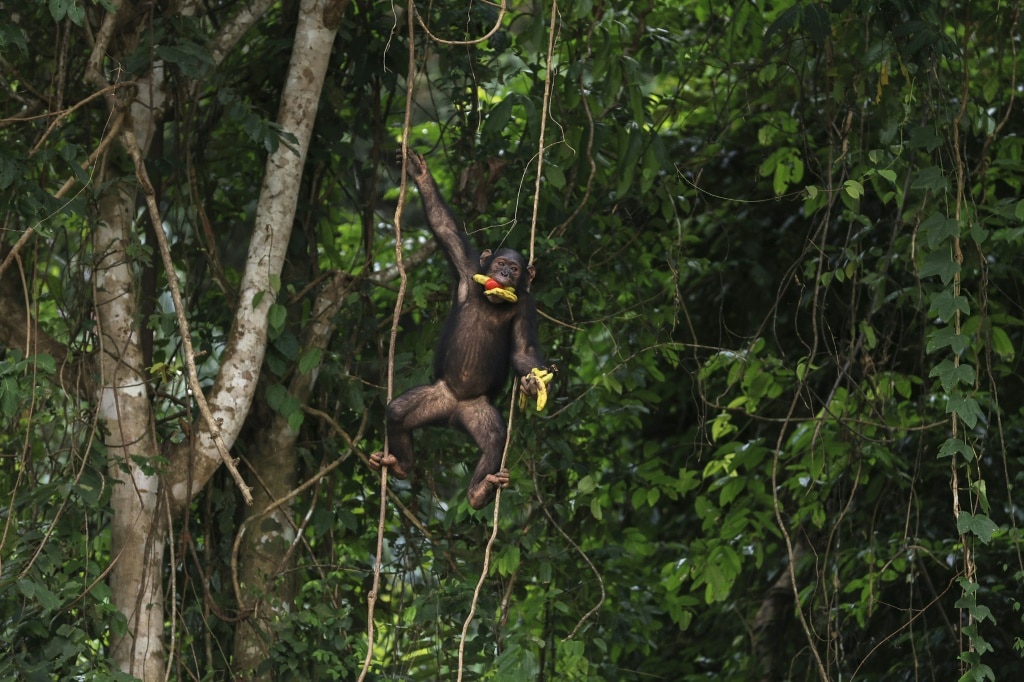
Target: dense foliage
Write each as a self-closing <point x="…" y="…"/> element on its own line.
<point x="778" y="252"/>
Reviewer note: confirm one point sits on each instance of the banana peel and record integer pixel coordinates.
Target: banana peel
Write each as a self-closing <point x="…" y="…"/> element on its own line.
<point x="543" y="377"/>
<point x="495" y="290"/>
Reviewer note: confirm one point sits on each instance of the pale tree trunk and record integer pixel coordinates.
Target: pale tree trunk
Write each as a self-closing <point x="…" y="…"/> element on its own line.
<point x="267" y="538"/>
<point x="235" y="385"/>
<point x="137" y="533"/>
<point x="139" y="528"/>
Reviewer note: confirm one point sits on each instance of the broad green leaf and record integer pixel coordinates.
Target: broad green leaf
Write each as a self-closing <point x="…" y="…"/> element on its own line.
<point x="980" y="525"/>
<point x="731" y="490"/>
<point x="854" y="189"/>
<point x="951" y="374"/>
<point x="10" y="397"/>
<point x="947" y="336"/>
<point x="954" y="446"/>
<point x="939" y="263"/>
<point x="722" y="426"/>
<point x="277" y="316"/>
<point x="945" y="305"/>
<point x="554" y="175"/>
<point x="275" y="396"/>
<point x="924" y="137"/>
<point x="1002" y="345"/>
<point x="889" y="175"/>
<point x="498" y="118"/>
<point x="310" y="359"/>
<point x="966" y="408"/>
<point x="9" y="171"/>
<point x="930" y="178"/>
<point x="938" y="228"/>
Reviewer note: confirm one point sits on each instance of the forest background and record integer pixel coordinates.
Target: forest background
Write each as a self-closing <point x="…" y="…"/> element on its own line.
<point x="779" y="250"/>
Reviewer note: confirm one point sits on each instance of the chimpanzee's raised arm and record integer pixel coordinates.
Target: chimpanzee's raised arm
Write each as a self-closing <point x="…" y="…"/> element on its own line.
<point x="442" y="221"/>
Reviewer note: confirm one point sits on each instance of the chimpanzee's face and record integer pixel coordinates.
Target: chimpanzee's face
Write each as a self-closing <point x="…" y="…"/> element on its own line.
<point x="506" y="270"/>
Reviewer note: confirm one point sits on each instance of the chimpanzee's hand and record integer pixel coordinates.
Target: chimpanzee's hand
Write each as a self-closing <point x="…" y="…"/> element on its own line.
<point x="484" y="491"/>
<point x="379" y="460"/>
<point x="535" y="385"/>
<point x="416" y="165"/>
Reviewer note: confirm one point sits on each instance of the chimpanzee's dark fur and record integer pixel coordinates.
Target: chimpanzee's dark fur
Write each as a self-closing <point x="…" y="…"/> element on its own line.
<point x="482" y="338"/>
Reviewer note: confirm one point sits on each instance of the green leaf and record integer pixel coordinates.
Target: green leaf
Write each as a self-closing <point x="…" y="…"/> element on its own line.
<point x="192" y="58"/>
<point x="287" y="344"/>
<point x="1002" y="345"/>
<point x="722" y="426"/>
<point x="276" y="317"/>
<point x="889" y="175"/>
<point x="59" y="9"/>
<point x="980" y="526"/>
<point x="924" y="137"/>
<point x="966" y="408"/>
<point x="945" y="305"/>
<point x="498" y="118"/>
<point x="951" y="374"/>
<point x="731" y="490"/>
<point x="938" y="228"/>
<point x="947" y="336"/>
<point x="930" y="178"/>
<point x="854" y="189"/>
<point x="10" y="170"/>
<point x="10" y="397"/>
<point x="639" y="497"/>
<point x="954" y="446"/>
<point x="653" y="495"/>
<point x="310" y="359"/>
<point x="11" y="34"/>
<point x="275" y="396"/>
<point x="939" y="263"/>
<point x="554" y="175"/>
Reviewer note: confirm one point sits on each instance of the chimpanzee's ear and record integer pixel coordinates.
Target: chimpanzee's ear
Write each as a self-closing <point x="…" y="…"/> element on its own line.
<point x="531" y="272"/>
<point x="484" y="257"/>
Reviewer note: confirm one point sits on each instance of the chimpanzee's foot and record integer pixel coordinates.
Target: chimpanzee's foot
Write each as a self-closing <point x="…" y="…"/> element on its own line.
<point x="379" y="459"/>
<point x="483" y="492"/>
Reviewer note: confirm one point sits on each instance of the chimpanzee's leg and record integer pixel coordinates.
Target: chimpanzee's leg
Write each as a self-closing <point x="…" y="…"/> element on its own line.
<point x="415" y="408"/>
<point x="486" y="427"/>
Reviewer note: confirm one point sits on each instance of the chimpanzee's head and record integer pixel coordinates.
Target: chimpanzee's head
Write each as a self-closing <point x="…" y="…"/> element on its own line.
<point x="508" y="268"/>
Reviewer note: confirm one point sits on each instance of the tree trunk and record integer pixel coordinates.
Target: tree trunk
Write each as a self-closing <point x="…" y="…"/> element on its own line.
<point x="268" y="536"/>
<point x="137" y="532"/>
<point x="139" y="529"/>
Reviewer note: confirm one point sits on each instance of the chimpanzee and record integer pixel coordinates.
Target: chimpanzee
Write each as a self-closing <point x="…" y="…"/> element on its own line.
<point x="492" y="325"/>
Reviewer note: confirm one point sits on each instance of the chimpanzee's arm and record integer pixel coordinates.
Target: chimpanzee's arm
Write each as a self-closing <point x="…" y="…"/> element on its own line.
<point x="441" y="219"/>
<point x="526" y="353"/>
